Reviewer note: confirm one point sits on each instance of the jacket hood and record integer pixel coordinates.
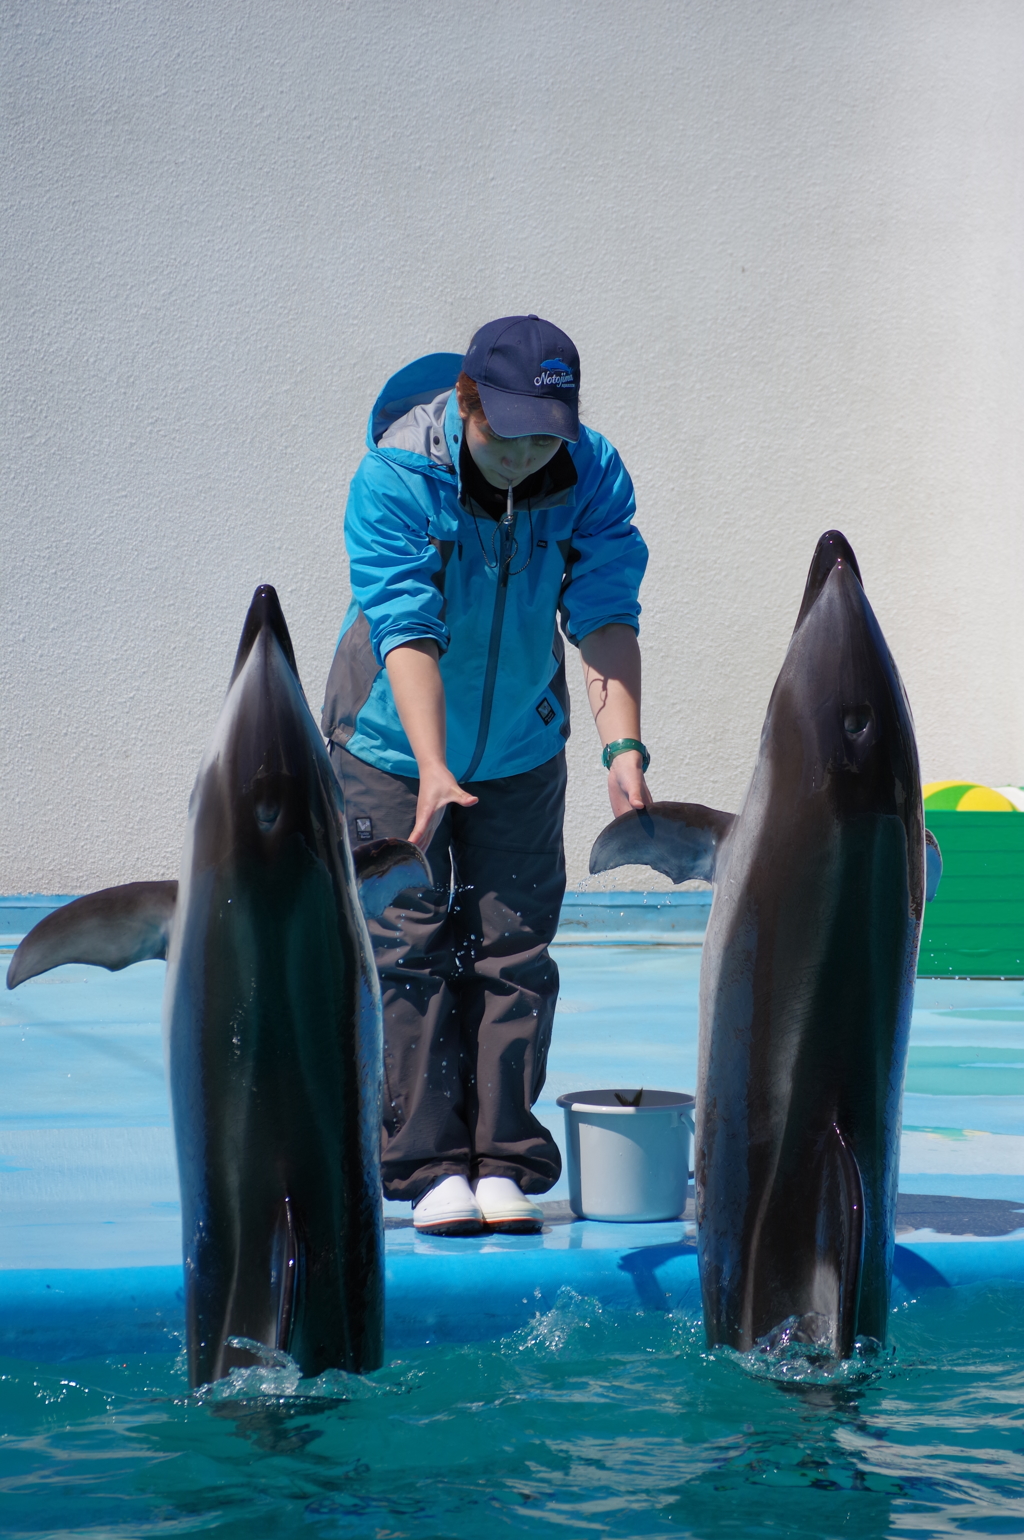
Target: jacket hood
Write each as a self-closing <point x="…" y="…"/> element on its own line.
<point x="415" y="385"/>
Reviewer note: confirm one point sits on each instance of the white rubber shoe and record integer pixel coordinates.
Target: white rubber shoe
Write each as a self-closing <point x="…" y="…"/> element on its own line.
<point x="448" y="1208"/>
<point x="505" y="1208"/>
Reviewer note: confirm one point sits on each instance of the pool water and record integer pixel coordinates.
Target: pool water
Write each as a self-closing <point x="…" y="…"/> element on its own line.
<point x="584" y="1422"/>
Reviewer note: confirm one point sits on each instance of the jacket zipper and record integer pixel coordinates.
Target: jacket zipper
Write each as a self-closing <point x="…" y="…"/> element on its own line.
<point x="508" y="529"/>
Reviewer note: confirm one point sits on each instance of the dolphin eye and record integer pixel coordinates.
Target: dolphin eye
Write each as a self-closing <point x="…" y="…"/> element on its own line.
<point x="856" y="719"/>
<point x="267" y="813"/>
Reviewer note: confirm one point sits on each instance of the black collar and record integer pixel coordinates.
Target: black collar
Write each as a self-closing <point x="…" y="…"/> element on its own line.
<point x="557" y="476"/>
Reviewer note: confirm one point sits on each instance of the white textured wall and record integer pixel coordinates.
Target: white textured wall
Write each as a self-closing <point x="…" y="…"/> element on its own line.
<point x="786" y="236"/>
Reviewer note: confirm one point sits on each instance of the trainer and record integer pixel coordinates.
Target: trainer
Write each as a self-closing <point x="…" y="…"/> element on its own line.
<point x="482" y="515"/>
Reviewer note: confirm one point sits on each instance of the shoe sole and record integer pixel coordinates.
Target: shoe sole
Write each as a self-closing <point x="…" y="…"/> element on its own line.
<point x="451" y="1227"/>
<point x="514" y="1226"/>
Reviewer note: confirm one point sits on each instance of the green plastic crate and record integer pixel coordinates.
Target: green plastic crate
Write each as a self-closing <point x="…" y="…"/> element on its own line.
<point x="974" y="927"/>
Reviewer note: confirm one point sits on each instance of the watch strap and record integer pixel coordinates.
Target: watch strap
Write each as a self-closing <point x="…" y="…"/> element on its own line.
<point x="624" y="746"/>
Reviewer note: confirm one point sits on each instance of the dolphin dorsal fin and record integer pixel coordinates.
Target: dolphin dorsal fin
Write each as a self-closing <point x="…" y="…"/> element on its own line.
<point x="680" y="839"/>
<point x="110" y="929"/>
<point x="265" y="610"/>
<point x="385" y="868"/>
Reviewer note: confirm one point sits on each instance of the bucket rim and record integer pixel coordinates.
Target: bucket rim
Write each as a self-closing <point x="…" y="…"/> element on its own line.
<point x="605" y="1101"/>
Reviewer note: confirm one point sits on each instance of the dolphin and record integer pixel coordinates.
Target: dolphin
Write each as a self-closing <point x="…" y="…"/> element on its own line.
<point x="807" y="981"/>
<point x="272" y="1024"/>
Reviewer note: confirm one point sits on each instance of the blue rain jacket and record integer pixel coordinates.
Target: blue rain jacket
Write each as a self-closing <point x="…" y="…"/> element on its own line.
<point x="424" y="565"/>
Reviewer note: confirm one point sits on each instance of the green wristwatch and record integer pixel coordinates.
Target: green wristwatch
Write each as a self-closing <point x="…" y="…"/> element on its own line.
<point x="623" y="746"/>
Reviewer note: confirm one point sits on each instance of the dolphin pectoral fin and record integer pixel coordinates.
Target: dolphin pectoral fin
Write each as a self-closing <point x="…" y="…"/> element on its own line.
<point x="932" y="865"/>
<point x="385" y="868"/>
<point x="110" y="929"/>
<point x="840" y="1236"/>
<point x="680" y="839"/>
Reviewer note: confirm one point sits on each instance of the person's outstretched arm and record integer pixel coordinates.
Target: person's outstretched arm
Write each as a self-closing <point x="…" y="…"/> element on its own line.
<point x="611" y="670"/>
<point x="416" y="684"/>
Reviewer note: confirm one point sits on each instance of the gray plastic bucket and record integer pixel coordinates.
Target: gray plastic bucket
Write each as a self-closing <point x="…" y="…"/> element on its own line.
<point x="628" y="1163"/>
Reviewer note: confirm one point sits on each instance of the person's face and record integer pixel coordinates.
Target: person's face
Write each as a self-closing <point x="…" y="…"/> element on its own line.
<point x="505" y="462"/>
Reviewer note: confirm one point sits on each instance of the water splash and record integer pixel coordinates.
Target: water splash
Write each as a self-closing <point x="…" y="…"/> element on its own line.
<point x="277" y="1377"/>
<point x="798" y="1352"/>
<point x="578" y="1327"/>
<point x="571" y="1318"/>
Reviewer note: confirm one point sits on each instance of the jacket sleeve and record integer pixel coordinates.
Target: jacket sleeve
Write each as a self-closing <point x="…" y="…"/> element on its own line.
<point x="607" y="557"/>
<point x="392" y="561"/>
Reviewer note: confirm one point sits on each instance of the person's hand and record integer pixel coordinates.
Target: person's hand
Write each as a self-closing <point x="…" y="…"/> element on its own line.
<point x="626" y="785"/>
<point x="419" y="696"/>
<point x="438" y="787"/>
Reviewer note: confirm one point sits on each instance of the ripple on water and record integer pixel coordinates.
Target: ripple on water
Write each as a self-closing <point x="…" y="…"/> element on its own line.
<point x="586" y="1421"/>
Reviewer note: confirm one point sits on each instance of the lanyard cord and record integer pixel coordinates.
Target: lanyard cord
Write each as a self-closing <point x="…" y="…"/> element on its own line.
<point x="508" y="520"/>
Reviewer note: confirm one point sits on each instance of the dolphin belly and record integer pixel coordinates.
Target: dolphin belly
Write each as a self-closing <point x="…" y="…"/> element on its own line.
<point x="274" y="1062"/>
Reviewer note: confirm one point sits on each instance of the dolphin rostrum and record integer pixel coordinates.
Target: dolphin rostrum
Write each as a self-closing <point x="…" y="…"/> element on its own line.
<point x="273" y="1028"/>
<point x="807" y="981"/>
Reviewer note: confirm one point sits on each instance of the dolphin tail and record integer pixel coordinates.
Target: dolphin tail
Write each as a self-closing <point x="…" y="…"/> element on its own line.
<point x="680" y="839"/>
<point x="385" y="868"/>
<point x="111" y="929"/>
<point x="932" y="865"/>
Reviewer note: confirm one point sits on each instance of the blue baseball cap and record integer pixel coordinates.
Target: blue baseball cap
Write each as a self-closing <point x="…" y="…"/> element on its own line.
<point x="528" y="376"/>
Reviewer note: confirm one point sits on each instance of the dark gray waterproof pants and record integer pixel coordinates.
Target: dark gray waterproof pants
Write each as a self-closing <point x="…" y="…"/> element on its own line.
<point x="468" y="987"/>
